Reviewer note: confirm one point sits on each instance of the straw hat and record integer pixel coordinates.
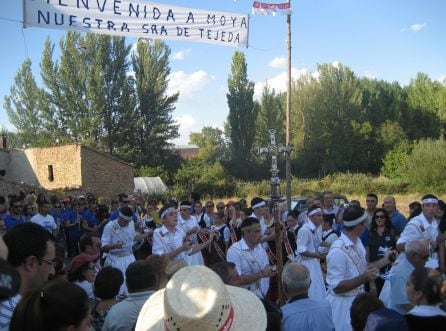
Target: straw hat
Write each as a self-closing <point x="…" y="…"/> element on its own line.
<point x="196" y="299"/>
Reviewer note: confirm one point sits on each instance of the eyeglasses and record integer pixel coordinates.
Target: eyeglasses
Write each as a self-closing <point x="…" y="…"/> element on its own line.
<point x="380" y="216"/>
<point x="52" y="264"/>
<point x="221" y="207"/>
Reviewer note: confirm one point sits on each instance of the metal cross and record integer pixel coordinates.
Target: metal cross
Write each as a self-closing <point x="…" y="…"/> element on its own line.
<point x="273" y="149"/>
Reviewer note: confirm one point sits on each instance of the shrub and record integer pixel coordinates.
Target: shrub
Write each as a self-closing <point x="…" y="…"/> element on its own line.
<point x="425" y="166"/>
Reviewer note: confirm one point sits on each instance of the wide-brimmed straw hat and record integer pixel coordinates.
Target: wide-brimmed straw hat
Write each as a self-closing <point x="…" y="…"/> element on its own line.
<point x="196" y="299"/>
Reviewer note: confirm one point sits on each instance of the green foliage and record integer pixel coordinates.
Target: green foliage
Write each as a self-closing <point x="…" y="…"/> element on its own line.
<point x="208" y="179"/>
<point x="242" y="110"/>
<point x="211" y="142"/>
<point x="424" y="107"/>
<point x="89" y="97"/>
<point x="158" y="171"/>
<point x="340" y="183"/>
<point x="426" y="165"/>
<point x="271" y="116"/>
<point x="24" y="106"/>
<point x="155" y="125"/>
<point x="395" y="161"/>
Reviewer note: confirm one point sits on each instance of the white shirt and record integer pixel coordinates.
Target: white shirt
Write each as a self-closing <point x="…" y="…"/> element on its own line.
<point x="165" y="242"/>
<point x="250" y="261"/>
<point x="419" y="228"/>
<point x="427" y="311"/>
<point x="114" y="234"/>
<point x="308" y="239"/>
<point x="47" y="222"/>
<point x="329" y="240"/>
<point x="345" y="260"/>
<point x="87" y="287"/>
<point x="187" y="225"/>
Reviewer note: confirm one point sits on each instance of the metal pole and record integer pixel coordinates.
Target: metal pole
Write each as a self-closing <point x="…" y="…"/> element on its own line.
<point x="288" y="119"/>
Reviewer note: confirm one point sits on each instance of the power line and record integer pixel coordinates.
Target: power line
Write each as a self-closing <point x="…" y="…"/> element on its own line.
<point x="10" y="20"/>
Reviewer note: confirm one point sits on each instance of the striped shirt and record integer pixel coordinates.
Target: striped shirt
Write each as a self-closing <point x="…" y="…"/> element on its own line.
<point x="7" y="308"/>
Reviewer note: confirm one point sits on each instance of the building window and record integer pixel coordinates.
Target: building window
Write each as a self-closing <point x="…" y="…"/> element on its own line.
<point x="50" y="173"/>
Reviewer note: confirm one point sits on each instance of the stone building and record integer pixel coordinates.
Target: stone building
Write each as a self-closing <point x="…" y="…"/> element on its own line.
<point x="68" y="168"/>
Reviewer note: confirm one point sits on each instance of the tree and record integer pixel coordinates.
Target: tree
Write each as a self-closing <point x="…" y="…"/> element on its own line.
<point x="424" y="108"/>
<point x="155" y="126"/>
<point x="426" y="165"/>
<point x="395" y="161"/>
<point x="242" y="109"/>
<point x="88" y="93"/>
<point x="270" y="116"/>
<point x="24" y="107"/>
<point x="211" y="142"/>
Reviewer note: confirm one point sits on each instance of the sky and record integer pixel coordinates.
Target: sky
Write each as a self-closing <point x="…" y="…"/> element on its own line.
<point x="391" y="40"/>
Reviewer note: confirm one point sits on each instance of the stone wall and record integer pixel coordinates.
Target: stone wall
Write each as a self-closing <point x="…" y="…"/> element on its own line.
<point x="104" y="175"/>
<point x="65" y="162"/>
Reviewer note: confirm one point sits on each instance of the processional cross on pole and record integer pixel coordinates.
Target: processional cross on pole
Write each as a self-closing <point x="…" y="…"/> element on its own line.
<point x="275" y="196"/>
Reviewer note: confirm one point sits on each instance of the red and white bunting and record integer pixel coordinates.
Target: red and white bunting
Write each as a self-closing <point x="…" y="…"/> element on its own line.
<point x="262" y="8"/>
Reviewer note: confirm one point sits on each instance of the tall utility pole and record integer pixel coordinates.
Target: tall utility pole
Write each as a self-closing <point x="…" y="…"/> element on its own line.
<point x="288" y="118"/>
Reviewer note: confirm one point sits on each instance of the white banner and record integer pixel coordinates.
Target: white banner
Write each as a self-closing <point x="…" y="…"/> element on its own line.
<point x="141" y="19"/>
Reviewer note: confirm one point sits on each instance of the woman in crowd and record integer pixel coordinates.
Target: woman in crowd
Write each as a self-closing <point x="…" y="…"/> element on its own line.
<point x="106" y="288"/>
<point x="54" y="307"/>
<point x="28" y="211"/>
<point x="424" y="291"/>
<point x="381" y="239"/>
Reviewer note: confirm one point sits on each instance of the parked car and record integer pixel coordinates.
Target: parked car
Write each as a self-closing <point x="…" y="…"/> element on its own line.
<point x="299" y="203"/>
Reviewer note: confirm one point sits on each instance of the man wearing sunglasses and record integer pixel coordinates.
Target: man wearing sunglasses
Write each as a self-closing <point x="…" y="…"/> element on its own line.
<point x="15" y="216"/>
<point x="32" y="254"/>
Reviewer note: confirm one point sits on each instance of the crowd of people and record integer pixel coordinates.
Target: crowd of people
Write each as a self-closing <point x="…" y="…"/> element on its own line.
<point x="81" y="263"/>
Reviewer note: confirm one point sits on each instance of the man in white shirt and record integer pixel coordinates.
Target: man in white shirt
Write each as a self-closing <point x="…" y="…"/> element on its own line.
<point x="117" y="240"/>
<point x="44" y="219"/>
<point x="251" y="259"/>
<point x="347" y="269"/>
<point x="423" y="227"/>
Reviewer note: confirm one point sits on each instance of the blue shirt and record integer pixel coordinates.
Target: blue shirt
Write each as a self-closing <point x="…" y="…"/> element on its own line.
<point x="11" y="221"/>
<point x="123" y="315"/>
<point x="398" y="295"/>
<point x="302" y="313"/>
<point x="71" y="218"/>
<point x="90" y="217"/>
<point x="399" y="222"/>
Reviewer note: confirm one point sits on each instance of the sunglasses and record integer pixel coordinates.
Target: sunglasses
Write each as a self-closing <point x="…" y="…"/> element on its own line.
<point x="370" y="201"/>
<point x="220" y="207"/>
<point x="380" y="216"/>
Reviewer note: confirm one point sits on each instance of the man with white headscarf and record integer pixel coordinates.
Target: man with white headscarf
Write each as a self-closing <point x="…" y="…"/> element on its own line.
<point x="347" y="268"/>
<point x="117" y="240"/>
